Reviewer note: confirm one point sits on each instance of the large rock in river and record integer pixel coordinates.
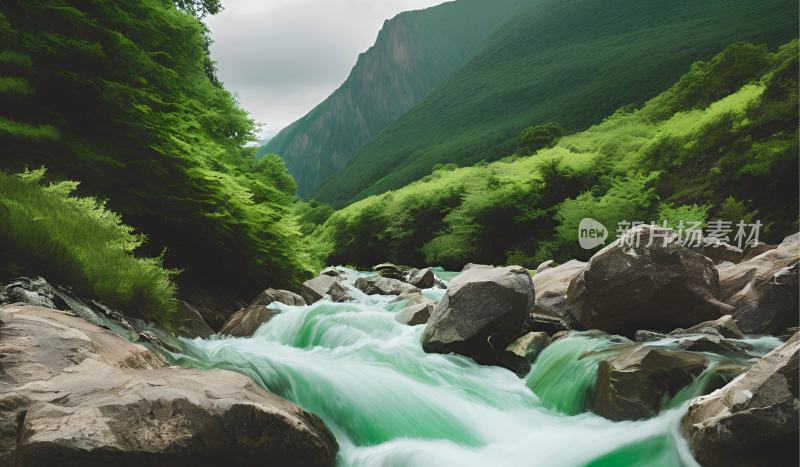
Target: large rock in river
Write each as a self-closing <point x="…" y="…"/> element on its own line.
<point x="75" y="394"/>
<point x="754" y="419"/>
<point x="315" y="289"/>
<point x="646" y="279"/>
<point x="482" y="311"/>
<point x="550" y="309"/>
<point x="633" y="384"/>
<point x="377" y="285"/>
<point x="764" y="289"/>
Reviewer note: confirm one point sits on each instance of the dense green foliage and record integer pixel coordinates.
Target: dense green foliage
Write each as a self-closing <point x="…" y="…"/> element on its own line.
<point x="76" y="241"/>
<point x="121" y="96"/>
<point x="569" y="61"/>
<point x="538" y="137"/>
<point x="414" y="52"/>
<point x="720" y="143"/>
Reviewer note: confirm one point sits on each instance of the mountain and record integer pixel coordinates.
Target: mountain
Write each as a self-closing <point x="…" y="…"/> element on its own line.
<point x="413" y="53"/>
<point x="721" y="143"/>
<point x="569" y="61"/>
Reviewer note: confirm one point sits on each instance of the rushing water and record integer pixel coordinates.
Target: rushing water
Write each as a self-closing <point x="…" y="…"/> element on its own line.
<point x="390" y="404"/>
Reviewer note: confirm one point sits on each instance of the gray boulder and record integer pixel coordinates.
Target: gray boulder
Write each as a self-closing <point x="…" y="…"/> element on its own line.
<point x="275" y="295"/>
<point x="422" y="278"/>
<point x="383" y="286"/>
<point x="544" y="265"/>
<point x="413" y="315"/>
<point x="482" y="311"/>
<point x="764" y="289"/>
<point x="718" y="251"/>
<point x="754" y="419"/>
<point x="646" y="279"/>
<point x="551" y="287"/>
<point x="411" y="298"/>
<point x="340" y="293"/>
<point x="633" y="384"/>
<point x="72" y="393"/>
<point x="189" y="322"/>
<point x="390" y="271"/>
<point x="315" y="289"/>
<point x="244" y="322"/>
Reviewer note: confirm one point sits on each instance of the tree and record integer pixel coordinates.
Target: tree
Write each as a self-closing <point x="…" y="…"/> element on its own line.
<point x="538" y="137"/>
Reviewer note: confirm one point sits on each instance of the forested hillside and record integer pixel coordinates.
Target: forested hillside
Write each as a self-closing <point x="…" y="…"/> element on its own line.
<point x="121" y="97"/>
<point x="572" y="62"/>
<point x="721" y="143"/>
<point x="413" y="53"/>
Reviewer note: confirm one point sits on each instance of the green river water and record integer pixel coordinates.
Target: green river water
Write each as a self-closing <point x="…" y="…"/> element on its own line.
<point x="390" y="404"/>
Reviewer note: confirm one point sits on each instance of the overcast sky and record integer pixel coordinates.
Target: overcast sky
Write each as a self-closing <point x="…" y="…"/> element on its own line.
<point x="283" y="57"/>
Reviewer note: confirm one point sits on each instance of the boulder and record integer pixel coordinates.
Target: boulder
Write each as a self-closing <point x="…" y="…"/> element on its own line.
<point x="390" y="271"/>
<point x="340" y="293"/>
<point x="544" y="265"/>
<point x="244" y="322"/>
<point x="718" y="251"/>
<point x="383" y="286"/>
<point x="315" y="289"/>
<point x="551" y="292"/>
<point x="332" y="271"/>
<point x="711" y="343"/>
<point x="724" y="326"/>
<point x="522" y="352"/>
<point x="422" y="278"/>
<point x="482" y="311"/>
<point x="189" y="322"/>
<point x="413" y="315"/>
<point x="753" y="249"/>
<point x="753" y="420"/>
<point x="411" y="298"/>
<point x="646" y="279"/>
<point x="633" y="384"/>
<point x="268" y="296"/>
<point x="72" y="393"/>
<point x="469" y="266"/>
<point x="764" y="289"/>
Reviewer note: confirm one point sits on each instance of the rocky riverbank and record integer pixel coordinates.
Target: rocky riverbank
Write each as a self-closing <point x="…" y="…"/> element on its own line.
<point x="675" y="319"/>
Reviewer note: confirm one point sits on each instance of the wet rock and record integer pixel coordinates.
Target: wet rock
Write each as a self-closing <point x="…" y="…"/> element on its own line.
<point x="633" y="384"/>
<point x="551" y="287"/>
<point x="72" y="393"/>
<point x="764" y="289"/>
<point x="390" y="271"/>
<point x="411" y="298"/>
<point x="189" y="322"/>
<point x="275" y="295"/>
<point x="644" y="335"/>
<point x="422" y="278"/>
<point x="315" y="289"/>
<point x="469" y="266"/>
<point x="244" y="322"/>
<point x="482" y="311"/>
<point x="413" y="315"/>
<point x="522" y="352"/>
<point x="625" y="287"/>
<point x="340" y="293"/>
<point x="724" y="326"/>
<point x="754" y="419"/>
<point x="332" y="271"/>
<point x="711" y="343"/>
<point x="383" y="286"/>
<point x="753" y="249"/>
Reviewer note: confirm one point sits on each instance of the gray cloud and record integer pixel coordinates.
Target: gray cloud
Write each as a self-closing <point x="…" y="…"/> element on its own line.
<point x="283" y="57"/>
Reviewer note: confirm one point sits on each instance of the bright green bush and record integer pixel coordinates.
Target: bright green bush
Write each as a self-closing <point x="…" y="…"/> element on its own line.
<point x="75" y="241"/>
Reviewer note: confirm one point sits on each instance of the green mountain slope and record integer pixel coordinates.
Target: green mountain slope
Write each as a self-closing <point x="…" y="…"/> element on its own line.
<point x="413" y="53"/>
<point x="570" y="61"/>
<point x="721" y="143"/>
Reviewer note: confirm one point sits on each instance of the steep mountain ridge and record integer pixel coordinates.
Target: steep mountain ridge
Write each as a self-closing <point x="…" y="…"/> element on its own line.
<point x="571" y="61"/>
<point x="413" y="53"/>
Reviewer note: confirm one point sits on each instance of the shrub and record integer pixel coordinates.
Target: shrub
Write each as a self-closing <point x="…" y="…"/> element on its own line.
<point x="77" y="242"/>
